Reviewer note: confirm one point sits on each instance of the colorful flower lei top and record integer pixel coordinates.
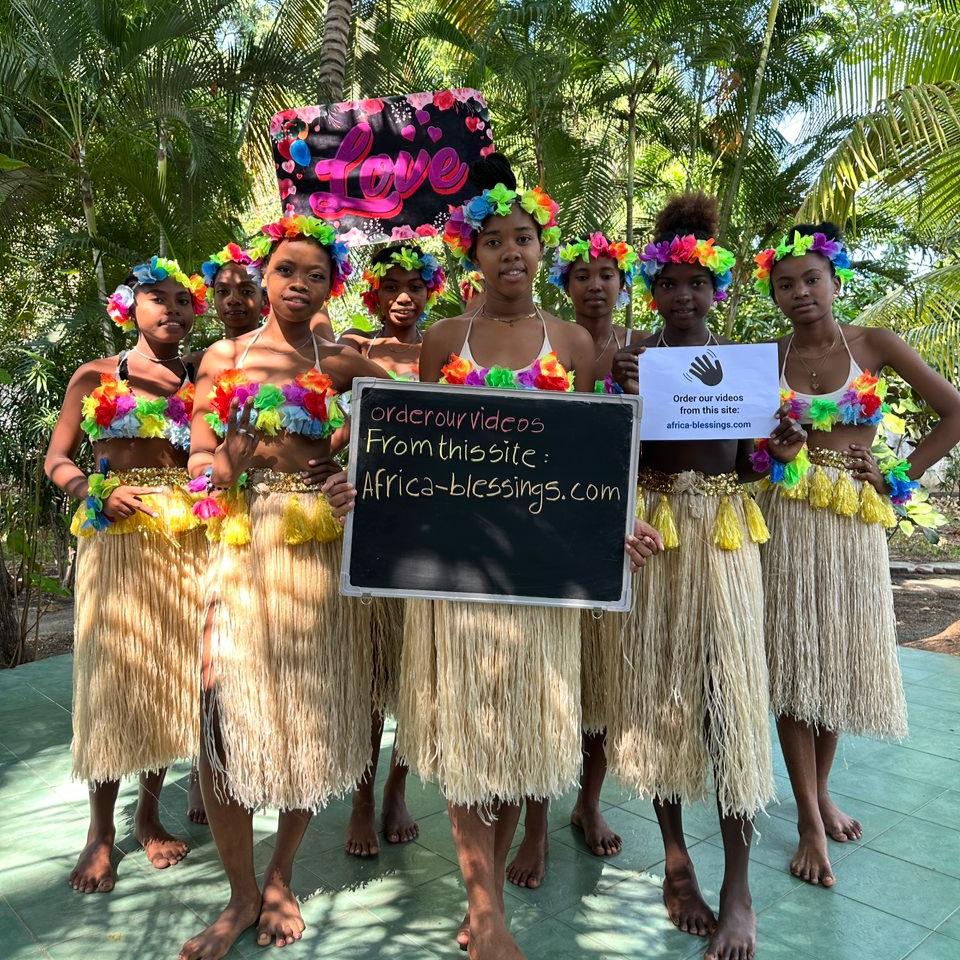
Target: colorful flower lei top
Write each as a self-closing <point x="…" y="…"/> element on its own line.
<point x="465" y="221"/>
<point x="547" y="373"/>
<point x="112" y="411"/>
<point x="289" y="228"/>
<point x="833" y="250"/>
<point x="307" y="405"/>
<point x="860" y="405"/>
<point x="595" y="247"/>
<point x="407" y="258"/>
<point x="154" y="271"/>
<point x="689" y="249"/>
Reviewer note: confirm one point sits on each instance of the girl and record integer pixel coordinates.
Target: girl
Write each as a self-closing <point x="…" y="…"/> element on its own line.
<point x="137" y="599"/>
<point x="691" y="696"/>
<point x="403" y="283"/>
<point x="516" y="663"/>
<point x="831" y="639"/>
<point x="597" y="275"/>
<point x="237" y="290"/>
<point x="286" y="666"/>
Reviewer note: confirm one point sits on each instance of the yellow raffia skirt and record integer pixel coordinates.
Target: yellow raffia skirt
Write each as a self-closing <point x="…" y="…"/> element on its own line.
<point x="288" y="705"/>
<point x="489" y="704"/>
<point x="594" y="663"/>
<point x="136" y="660"/>
<point x="688" y="665"/>
<point x="830" y="624"/>
<point x="386" y="623"/>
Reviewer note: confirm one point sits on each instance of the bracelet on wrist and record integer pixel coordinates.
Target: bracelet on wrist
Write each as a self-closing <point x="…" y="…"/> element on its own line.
<point x="99" y="487"/>
<point x="784" y="474"/>
<point x="901" y="488"/>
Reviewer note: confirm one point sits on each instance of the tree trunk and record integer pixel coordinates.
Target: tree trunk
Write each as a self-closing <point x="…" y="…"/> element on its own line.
<point x="730" y="195"/>
<point x="631" y="173"/>
<point x="162" y="181"/>
<point x="333" y="53"/>
<point x="90" y="215"/>
<point x="11" y="649"/>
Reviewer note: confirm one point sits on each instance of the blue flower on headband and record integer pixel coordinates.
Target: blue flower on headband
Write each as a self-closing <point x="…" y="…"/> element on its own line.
<point x="477" y="210"/>
<point x="429" y="266"/>
<point x="151" y="272"/>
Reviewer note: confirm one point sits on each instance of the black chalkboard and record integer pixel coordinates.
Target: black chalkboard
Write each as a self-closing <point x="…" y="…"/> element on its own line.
<point x="383" y="168"/>
<point x="470" y="493"/>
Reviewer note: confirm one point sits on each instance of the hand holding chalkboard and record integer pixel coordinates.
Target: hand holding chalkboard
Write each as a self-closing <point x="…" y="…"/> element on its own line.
<point x="477" y="494"/>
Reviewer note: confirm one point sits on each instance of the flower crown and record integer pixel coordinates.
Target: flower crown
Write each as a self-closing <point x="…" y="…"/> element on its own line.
<point x="289" y="228"/>
<point x="689" y="249"/>
<point x="465" y="221"/>
<point x="157" y="269"/>
<point x="407" y="258"/>
<point x="594" y="247"/>
<point x="834" y="250"/>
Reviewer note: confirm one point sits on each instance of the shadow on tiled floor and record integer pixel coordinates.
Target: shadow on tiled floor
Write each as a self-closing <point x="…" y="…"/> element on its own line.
<point x="897" y="895"/>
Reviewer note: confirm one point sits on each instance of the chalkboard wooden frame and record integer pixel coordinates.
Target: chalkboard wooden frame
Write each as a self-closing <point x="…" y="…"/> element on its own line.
<point x="362" y="384"/>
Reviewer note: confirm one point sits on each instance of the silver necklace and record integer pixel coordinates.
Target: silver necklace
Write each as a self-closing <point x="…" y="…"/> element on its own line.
<point x="146" y="356"/>
<point x="711" y="340"/>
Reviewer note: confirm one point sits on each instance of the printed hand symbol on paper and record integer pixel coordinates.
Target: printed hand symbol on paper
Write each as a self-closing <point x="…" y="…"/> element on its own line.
<point x="707" y="369"/>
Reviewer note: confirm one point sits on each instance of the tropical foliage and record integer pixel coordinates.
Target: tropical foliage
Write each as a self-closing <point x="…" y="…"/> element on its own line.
<point x="128" y="128"/>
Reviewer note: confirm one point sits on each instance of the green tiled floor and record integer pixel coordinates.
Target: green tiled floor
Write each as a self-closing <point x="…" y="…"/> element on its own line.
<point x="897" y="895"/>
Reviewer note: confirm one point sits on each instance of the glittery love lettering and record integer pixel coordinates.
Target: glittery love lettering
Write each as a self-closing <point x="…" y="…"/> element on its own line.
<point x="384" y="182"/>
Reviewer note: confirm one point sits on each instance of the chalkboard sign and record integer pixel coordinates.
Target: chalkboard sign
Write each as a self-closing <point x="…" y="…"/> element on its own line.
<point x="471" y="493"/>
<point x="387" y="168"/>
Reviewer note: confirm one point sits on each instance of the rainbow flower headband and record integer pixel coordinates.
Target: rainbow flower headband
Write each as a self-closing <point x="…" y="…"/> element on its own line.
<point x="407" y="258"/>
<point x="147" y="274"/>
<point x="465" y="221"/>
<point x="689" y="249"/>
<point x="833" y="250"/>
<point x="289" y="228"/>
<point x="595" y="247"/>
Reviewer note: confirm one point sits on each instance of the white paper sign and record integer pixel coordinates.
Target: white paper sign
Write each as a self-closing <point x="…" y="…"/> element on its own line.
<point x="709" y="393"/>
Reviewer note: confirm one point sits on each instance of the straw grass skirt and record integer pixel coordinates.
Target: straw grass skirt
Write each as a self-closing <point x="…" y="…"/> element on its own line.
<point x="386" y="623"/>
<point x="830" y="624"/>
<point x="688" y="660"/>
<point x="136" y="655"/>
<point x="594" y="662"/>
<point x="288" y="701"/>
<point x="489" y="702"/>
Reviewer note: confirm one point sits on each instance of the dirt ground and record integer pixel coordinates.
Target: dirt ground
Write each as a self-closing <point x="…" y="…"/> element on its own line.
<point x="928" y="616"/>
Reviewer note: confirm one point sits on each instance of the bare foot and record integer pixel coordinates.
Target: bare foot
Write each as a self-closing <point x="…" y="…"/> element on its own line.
<point x="530" y="863"/>
<point x="362" y="831"/>
<point x="162" y="849"/>
<point x="215" y="942"/>
<point x="492" y="941"/>
<point x="398" y="825"/>
<point x="736" y="935"/>
<point x="836" y="823"/>
<point x="280" y="919"/>
<point x="597" y="834"/>
<point x="94" y="872"/>
<point x="196" y="813"/>
<point x="811" y="862"/>
<point x="463" y="934"/>
<point x="685" y="905"/>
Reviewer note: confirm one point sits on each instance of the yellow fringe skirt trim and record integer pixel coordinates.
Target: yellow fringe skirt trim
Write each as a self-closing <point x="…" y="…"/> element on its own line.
<point x="594" y="682"/>
<point x="830" y="623"/>
<point x="173" y="508"/>
<point x="136" y="660"/>
<point x="828" y="485"/>
<point x="489" y="702"/>
<point x="288" y="705"/>
<point x="689" y="709"/>
<point x="730" y="527"/>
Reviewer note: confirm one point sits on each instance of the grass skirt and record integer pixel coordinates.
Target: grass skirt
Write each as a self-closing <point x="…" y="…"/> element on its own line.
<point x="594" y="661"/>
<point x="136" y="659"/>
<point x="490" y="699"/>
<point x="289" y="692"/>
<point x="830" y="624"/>
<point x="688" y="662"/>
<point x="386" y="623"/>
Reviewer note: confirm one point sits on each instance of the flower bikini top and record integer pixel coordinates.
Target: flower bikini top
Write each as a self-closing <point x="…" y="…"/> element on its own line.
<point x="307" y="405"/>
<point x="545" y="373"/>
<point x="859" y="403"/>
<point x="113" y="411"/>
